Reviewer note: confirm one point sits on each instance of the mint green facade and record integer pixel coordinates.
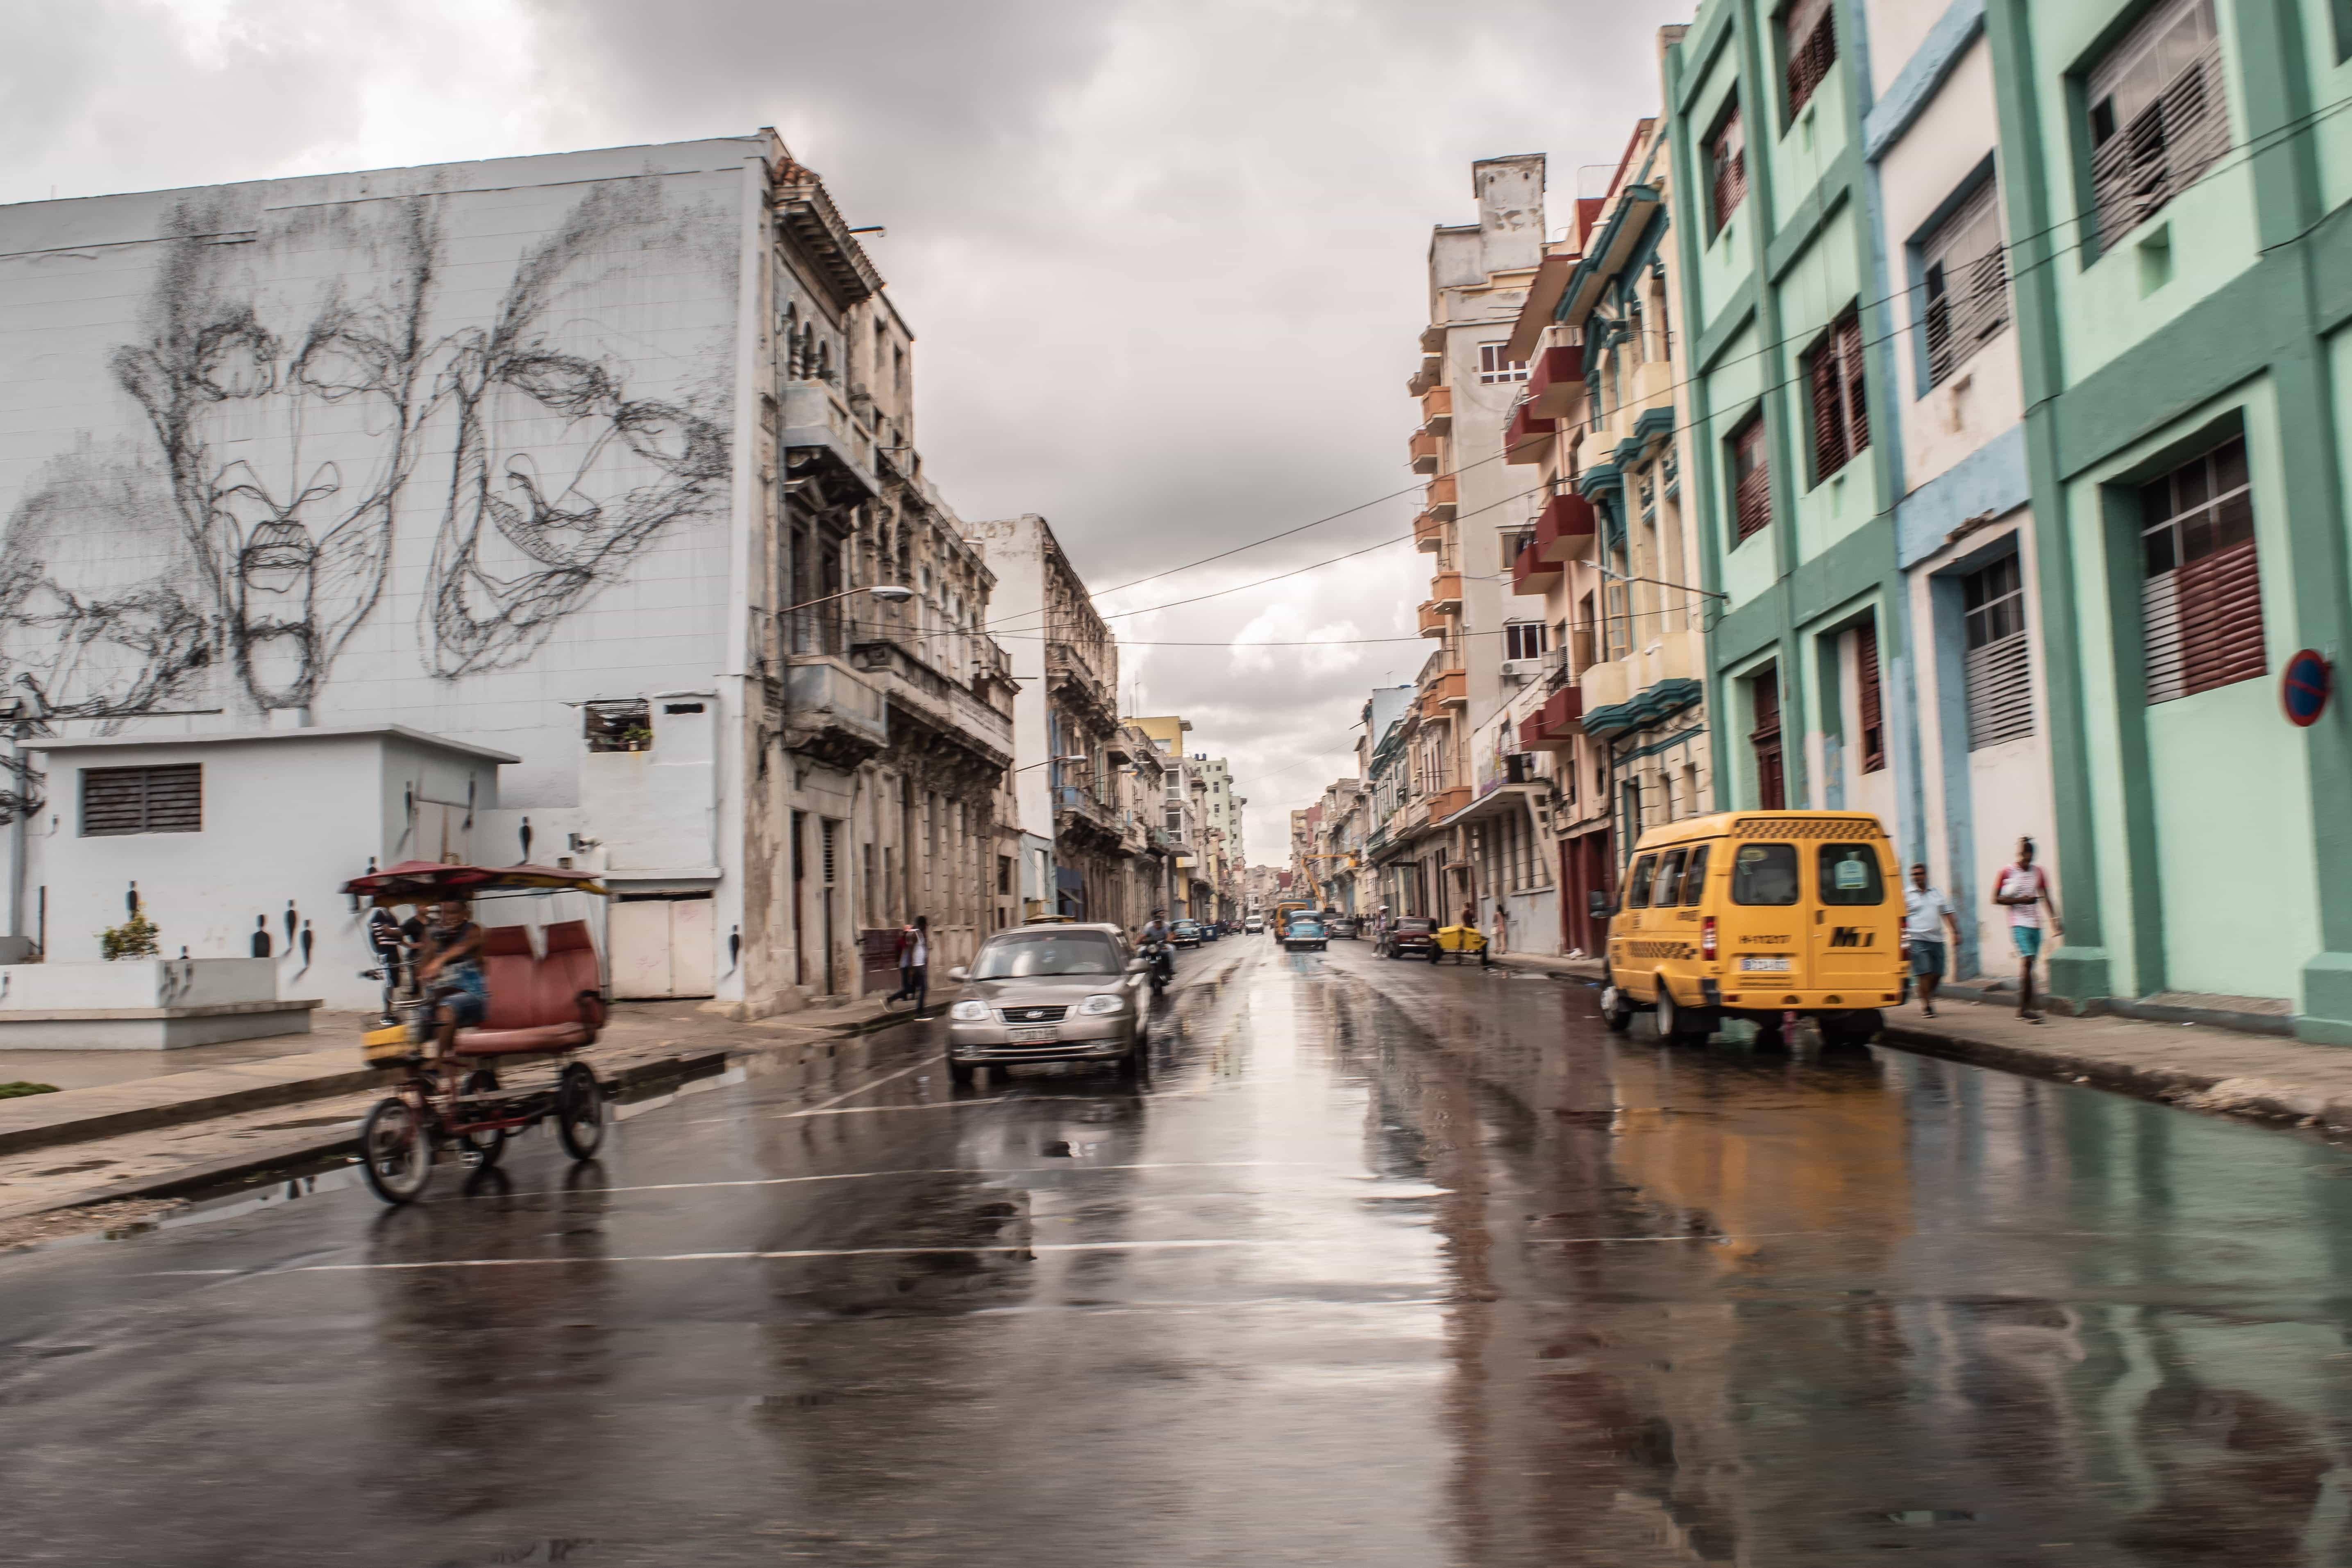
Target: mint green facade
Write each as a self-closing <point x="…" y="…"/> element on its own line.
<point x="2205" y="843"/>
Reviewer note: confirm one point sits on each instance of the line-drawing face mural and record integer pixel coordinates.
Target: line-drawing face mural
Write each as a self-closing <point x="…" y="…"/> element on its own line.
<point x="285" y="406"/>
<point x="288" y="370"/>
<point x="562" y="476"/>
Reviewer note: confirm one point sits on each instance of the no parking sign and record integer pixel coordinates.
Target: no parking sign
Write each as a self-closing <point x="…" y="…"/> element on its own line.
<point x="2303" y="689"/>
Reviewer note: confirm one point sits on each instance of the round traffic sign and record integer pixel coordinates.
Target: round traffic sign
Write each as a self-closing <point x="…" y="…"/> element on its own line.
<point x="2304" y="686"/>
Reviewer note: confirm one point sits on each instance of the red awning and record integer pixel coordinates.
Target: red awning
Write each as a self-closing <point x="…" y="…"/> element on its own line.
<point x="422" y="881"/>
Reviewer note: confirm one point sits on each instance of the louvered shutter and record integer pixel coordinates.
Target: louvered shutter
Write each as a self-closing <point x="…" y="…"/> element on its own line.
<point x="1874" y="727"/>
<point x="1809" y="37"/>
<point x="2202" y="602"/>
<point x="1999" y="677"/>
<point x="1854" y="402"/>
<point x="1751" y="478"/>
<point x="1829" y="427"/>
<point x="117" y="801"/>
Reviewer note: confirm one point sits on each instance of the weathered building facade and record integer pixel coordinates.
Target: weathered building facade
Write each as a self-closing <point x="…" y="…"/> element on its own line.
<point x="564" y="464"/>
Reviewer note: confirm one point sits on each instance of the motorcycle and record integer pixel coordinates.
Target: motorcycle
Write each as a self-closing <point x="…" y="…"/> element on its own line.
<point x="1162" y="958"/>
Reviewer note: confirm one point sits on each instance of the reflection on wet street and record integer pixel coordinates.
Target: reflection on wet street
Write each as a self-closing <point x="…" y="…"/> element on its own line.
<point x="1383" y="1264"/>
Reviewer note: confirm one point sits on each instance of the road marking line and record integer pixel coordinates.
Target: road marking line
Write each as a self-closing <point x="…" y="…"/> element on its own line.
<point x="810" y="1252"/>
<point x="836" y="1099"/>
<point x="878" y="1110"/>
<point x="920" y="1171"/>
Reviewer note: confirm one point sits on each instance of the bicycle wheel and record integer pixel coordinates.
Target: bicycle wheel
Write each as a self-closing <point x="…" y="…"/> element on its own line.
<point x="485" y="1147"/>
<point x="396" y="1152"/>
<point x="579" y="1111"/>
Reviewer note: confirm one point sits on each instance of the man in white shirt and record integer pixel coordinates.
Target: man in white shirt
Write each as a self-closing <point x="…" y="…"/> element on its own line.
<point x="1930" y="931"/>
<point x="2023" y="889"/>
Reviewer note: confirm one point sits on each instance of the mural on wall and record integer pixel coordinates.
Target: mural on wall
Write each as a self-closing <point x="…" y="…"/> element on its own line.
<point x="285" y="403"/>
<point x="291" y="366"/>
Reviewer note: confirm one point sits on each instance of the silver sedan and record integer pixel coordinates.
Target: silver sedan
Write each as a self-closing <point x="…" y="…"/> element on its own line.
<point x="1048" y="993"/>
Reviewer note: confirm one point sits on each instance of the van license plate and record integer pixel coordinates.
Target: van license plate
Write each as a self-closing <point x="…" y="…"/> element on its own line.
<point x="1764" y="966"/>
<point x="1034" y="1037"/>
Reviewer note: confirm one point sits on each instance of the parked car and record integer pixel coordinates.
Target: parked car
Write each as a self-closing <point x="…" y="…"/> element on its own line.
<point x="1409" y="937"/>
<point x="1305" y="935"/>
<point x="1343" y="926"/>
<point x="1048" y="993"/>
<point x="1185" y="933"/>
<point x="1253" y="926"/>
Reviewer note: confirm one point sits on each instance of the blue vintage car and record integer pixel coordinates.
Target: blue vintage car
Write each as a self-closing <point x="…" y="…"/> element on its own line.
<point x="1302" y="933"/>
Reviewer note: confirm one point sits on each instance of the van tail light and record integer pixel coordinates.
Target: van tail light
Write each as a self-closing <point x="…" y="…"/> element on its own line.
<point x="1707" y="937"/>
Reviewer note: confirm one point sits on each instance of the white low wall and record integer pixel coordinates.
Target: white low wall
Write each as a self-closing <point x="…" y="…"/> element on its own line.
<point x="137" y="983"/>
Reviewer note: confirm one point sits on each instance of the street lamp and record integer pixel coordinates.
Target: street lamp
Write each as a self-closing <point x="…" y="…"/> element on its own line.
<point x="888" y="592"/>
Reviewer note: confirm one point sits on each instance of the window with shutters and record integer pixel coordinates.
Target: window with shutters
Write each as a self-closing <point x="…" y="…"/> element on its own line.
<point x="2158" y="114"/>
<point x="1834" y="380"/>
<point x="1726" y="168"/>
<point x="1999" y="672"/>
<point x="1751" y="476"/>
<point x="1964" y="283"/>
<point x="1771" y="785"/>
<point x="1872" y="703"/>
<point x="142" y="800"/>
<point x="1809" y="45"/>
<point x="1524" y="639"/>
<point x="2201" y="604"/>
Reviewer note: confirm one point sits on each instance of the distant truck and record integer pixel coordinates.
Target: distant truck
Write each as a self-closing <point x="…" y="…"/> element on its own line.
<point x="1282" y="913"/>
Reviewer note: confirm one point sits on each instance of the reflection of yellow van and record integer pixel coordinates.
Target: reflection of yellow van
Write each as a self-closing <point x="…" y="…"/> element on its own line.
<point x="1751" y="915"/>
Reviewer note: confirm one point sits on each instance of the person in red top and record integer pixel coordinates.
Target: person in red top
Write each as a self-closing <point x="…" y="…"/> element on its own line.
<point x="915" y="964"/>
<point x="2023" y="889"/>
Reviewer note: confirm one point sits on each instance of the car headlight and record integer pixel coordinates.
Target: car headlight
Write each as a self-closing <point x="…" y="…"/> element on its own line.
<point x="1103" y="1003"/>
<point x="968" y="1012"/>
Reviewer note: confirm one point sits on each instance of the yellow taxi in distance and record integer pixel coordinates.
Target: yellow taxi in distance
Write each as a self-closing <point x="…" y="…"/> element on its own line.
<point x="1755" y="914"/>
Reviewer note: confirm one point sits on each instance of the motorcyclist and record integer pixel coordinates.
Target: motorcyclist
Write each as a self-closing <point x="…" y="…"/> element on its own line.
<point x="1158" y="946"/>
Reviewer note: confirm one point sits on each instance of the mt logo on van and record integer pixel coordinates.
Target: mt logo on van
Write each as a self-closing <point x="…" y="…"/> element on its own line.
<point x="1758" y="880"/>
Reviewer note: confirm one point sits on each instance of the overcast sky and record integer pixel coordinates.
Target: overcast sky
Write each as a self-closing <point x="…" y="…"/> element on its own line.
<point x="1165" y="262"/>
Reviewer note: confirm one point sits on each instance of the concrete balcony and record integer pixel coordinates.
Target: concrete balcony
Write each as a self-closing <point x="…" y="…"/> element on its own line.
<point x="1440" y="498"/>
<point x="1428" y="532"/>
<point x="1531" y="573"/>
<point x="1556" y="381"/>
<point x="1437" y="410"/>
<point x="1451" y="688"/>
<point x="1435" y="622"/>
<point x="1446" y="591"/>
<point x="1652" y="683"/>
<point x="833" y="713"/>
<point x="820" y="430"/>
<point x="1565" y="527"/>
<point x="955" y="714"/>
<point x="1555" y="726"/>
<point x="1527" y="437"/>
<point x="1447" y="802"/>
<point x="1424" y="449"/>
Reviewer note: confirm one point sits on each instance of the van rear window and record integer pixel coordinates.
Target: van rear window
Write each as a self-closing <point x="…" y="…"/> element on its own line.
<point x="1849" y="874"/>
<point x="1695" y="878"/>
<point x="1764" y="874"/>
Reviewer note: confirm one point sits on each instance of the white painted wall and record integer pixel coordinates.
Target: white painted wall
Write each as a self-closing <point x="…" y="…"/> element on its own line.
<point x="1985" y="395"/>
<point x="287" y="817"/>
<point x="377" y="388"/>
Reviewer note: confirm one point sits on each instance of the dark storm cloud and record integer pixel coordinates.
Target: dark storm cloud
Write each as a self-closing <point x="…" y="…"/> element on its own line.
<point x="1165" y="262"/>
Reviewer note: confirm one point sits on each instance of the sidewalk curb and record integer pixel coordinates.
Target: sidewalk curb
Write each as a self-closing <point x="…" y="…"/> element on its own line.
<point x="2256" y="1099"/>
<point x="146" y="1117"/>
<point x="314" y="1146"/>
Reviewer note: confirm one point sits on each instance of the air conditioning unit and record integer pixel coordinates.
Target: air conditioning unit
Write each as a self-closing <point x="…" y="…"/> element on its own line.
<point x="1519" y="671"/>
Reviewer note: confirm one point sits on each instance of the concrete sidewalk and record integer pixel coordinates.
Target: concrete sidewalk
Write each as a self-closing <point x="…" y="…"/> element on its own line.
<point x="2196" y="1066"/>
<point x="167" y="1097"/>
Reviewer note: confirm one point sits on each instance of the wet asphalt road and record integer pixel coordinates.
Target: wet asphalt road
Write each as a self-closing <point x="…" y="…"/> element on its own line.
<point x="1385" y="1265"/>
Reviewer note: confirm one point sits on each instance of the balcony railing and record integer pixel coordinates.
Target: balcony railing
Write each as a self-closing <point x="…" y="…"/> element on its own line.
<point x="1424" y="451"/>
<point x="1437" y="410"/>
<point x="1531" y="573"/>
<point x="1564" y="526"/>
<point x="1441" y="498"/>
<point x="1553" y="726"/>
<point x="1428" y="532"/>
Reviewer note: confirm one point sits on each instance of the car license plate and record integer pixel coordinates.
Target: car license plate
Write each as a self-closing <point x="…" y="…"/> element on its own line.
<point x="1045" y="1036"/>
<point x="1764" y="966"/>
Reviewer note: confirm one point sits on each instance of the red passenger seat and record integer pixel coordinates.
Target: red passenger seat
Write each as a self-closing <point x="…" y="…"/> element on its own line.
<point x="537" y="1005"/>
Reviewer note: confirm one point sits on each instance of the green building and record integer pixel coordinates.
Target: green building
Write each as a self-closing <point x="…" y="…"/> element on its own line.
<point x="2148" y="266"/>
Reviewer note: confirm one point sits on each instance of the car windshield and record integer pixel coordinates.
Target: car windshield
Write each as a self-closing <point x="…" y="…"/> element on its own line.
<point x="1027" y="954"/>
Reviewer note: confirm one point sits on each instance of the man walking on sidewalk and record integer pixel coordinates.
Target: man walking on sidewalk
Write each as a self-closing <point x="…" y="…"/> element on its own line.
<point x="2024" y="889"/>
<point x="915" y="964"/>
<point x="1922" y="908"/>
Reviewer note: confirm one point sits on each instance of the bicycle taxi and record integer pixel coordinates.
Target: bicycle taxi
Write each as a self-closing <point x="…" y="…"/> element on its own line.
<point x="541" y="1008"/>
